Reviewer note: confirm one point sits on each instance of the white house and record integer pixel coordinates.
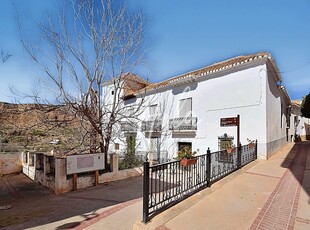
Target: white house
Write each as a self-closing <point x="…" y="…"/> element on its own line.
<point x="187" y="109"/>
<point x="301" y="124"/>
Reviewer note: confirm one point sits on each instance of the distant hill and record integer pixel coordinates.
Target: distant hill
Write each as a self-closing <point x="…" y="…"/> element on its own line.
<point x="37" y="128"/>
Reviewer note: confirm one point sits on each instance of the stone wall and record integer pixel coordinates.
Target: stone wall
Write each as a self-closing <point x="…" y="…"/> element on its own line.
<point x="51" y="172"/>
<point x="10" y="163"/>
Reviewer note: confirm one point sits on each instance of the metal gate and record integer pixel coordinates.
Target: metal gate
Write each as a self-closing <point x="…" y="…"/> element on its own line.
<point x="167" y="184"/>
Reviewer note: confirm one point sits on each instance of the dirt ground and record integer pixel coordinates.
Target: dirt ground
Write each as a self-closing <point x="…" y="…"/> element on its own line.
<point x="34" y="205"/>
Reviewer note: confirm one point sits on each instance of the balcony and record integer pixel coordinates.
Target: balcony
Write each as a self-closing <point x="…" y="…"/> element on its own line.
<point x="151" y="126"/>
<point x="129" y="126"/>
<point x="183" y="124"/>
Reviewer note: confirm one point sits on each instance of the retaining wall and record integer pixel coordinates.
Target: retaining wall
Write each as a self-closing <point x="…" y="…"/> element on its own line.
<point x="10" y="163"/>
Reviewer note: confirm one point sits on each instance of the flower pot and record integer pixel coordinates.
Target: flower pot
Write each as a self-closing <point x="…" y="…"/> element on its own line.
<point x="230" y="150"/>
<point x="186" y="162"/>
<point x="251" y="145"/>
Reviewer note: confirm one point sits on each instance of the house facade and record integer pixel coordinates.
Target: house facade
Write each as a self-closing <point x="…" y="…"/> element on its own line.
<point x="186" y="110"/>
<point x="301" y="124"/>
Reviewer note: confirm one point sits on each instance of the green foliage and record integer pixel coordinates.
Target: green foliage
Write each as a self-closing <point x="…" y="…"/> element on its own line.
<point x="130" y="159"/>
<point x="305" y="106"/>
<point x="186" y="152"/>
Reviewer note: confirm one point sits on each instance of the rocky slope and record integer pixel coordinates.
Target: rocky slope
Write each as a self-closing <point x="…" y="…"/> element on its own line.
<point x="37" y="128"/>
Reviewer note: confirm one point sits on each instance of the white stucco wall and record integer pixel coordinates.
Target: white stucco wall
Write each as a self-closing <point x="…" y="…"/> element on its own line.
<point x="249" y="90"/>
<point x="225" y="94"/>
<point x="278" y="133"/>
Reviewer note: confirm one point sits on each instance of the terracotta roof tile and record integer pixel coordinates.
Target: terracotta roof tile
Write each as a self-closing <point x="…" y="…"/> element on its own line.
<point x="220" y="66"/>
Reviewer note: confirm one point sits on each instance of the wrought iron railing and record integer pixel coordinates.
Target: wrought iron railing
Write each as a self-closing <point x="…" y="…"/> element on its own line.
<point x="169" y="183"/>
<point x="128" y="126"/>
<point x="151" y="126"/>
<point x="183" y="123"/>
<point x="157" y="157"/>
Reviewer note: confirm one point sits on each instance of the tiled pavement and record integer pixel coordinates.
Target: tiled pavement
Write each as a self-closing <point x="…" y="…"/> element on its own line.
<point x="264" y="195"/>
<point x="280" y="210"/>
<point x="272" y="194"/>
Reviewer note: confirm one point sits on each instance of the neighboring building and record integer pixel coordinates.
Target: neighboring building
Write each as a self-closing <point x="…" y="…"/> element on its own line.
<point x="301" y="124"/>
<point x="186" y="110"/>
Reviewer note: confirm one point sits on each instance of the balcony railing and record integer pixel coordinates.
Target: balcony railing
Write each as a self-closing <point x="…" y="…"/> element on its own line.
<point x="151" y="126"/>
<point x="183" y="124"/>
<point x="129" y="126"/>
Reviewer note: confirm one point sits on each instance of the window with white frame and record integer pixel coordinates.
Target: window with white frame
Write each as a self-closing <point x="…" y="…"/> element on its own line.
<point x="153" y="110"/>
<point x="185" y="107"/>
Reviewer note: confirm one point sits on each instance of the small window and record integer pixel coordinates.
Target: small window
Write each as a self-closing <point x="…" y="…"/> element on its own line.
<point x="116" y="146"/>
<point x="225" y="141"/>
<point x="153" y="111"/>
<point x="185" y="107"/>
<point x="112" y="92"/>
<point x="182" y="145"/>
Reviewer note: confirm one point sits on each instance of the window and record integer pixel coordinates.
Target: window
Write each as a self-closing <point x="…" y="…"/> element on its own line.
<point x="182" y="145"/>
<point x="112" y="92"/>
<point x="225" y="141"/>
<point x="116" y="146"/>
<point x="185" y="107"/>
<point x="153" y="111"/>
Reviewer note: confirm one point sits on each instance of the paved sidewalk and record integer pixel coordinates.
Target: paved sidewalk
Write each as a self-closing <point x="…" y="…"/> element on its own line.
<point x="271" y="194"/>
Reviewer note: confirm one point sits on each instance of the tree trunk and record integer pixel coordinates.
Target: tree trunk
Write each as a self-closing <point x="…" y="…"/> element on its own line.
<point x="103" y="150"/>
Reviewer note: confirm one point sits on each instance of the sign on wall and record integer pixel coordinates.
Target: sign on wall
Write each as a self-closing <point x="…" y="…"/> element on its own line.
<point x="85" y="163"/>
<point x="229" y="121"/>
<point x="232" y="121"/>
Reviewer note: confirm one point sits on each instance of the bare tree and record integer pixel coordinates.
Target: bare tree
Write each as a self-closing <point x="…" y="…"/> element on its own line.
<point x="88" y="43"/>
<point x="5" y="56"/>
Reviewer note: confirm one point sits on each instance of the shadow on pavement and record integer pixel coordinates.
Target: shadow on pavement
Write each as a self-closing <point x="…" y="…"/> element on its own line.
<point x="33" y="205"/>
<point x="297" y="165"/>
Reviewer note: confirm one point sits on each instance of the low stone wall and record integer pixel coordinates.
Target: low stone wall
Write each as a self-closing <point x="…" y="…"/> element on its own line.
<point x="120" y="175"/>
<point x="51" y="172"/>
<point x="10" y="163"/>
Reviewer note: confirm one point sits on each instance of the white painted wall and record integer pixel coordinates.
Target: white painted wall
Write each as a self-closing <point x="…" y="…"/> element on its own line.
<point x="301" y="124"/>
<point x="248" y="91"/>
<point x="277" y="105"/>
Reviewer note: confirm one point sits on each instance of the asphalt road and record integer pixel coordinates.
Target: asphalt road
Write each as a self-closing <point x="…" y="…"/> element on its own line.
<point x="33" y="205"/>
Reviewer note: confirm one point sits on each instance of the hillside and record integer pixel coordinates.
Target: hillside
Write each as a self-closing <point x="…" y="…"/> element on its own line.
<point x="34" y="127"/>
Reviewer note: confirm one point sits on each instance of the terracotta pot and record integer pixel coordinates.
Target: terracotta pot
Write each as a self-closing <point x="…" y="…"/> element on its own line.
<point x="251" y="145"/>
<point x="230" y="150"/>
<point x="186" y="162"/>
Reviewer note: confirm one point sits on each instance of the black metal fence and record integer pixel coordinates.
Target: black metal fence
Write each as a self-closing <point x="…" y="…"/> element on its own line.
<point x="167" y="184"/>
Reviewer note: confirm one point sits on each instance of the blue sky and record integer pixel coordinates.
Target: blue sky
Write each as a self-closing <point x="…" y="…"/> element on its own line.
<point x="186" y="35"/>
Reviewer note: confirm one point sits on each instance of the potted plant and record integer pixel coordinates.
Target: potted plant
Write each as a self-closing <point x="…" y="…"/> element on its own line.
<point x="187" y="156"/>
<point x="230" y="148"/>
<point x="250" y="143"/>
